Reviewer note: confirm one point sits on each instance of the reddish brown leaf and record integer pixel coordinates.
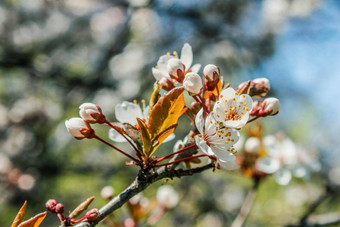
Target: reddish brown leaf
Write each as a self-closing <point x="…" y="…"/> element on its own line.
<point x="145" y="136"/>
<point x="35" y="221"/>
<point x="20" y="216"/>
<point x="83" y="206"/>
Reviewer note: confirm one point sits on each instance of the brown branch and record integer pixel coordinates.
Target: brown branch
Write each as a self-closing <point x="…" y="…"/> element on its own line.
<point x="246" y="206"/>
<point x="142" y="181"/>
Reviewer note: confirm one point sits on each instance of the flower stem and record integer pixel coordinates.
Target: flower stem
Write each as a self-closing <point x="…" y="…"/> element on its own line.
<point x="201" y="101"/>
<point x="116" y="148"/>
<point x="255" y="118"/>
<point x="138" y="153"/>
<point x="181" y="160"/>
<point x="179" y="151"/>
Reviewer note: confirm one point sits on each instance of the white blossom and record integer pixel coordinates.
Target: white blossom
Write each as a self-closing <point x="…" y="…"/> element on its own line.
<point x="193" y="83"/>
<point x="232" y="109"/>
<point x="215" y="140"/>
<point x="86" y="109"/>
<point x="74" y="125"/>
<point x="271" y="105"/>
<point x="167" y="196"/>
<point x="211" y="72"/>
<point x="252" y="145"/>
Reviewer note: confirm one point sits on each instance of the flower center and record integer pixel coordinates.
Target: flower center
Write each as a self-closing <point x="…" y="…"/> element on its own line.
<point x="232" y="114"/>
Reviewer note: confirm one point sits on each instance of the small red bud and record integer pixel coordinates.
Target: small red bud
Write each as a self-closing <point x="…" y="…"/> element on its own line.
<point x="92" y="215"/>
<point x="51" y="205"/>
<point x="59" y="208"/>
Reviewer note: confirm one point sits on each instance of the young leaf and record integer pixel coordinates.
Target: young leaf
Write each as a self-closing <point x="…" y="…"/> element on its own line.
<point x="20" y="216"/>
<point x="155" y="95"/>
<point x="83" y="206"/>
<point x="162" y="136"/>
<point x="145" y="136"/>
<point x="166" y="112"/>
<point x="35" y="221"/>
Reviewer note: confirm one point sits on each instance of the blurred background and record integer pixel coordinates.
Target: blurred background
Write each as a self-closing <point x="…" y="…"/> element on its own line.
<point x="55" y="55"/>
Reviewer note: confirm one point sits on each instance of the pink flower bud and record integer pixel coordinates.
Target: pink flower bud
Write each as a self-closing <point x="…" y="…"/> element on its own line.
<point x="91" y="112"/>
<point x="211" y="72"/>
<point x="259" y="87"/>
<point x="78" y="128"/>
<point x="59" y="208"/>
<point x="51" y="205"/>
<point x="92" y="215"/>
<point x="176" y="69"/>
<point x="270" y="106"/>
<point x="193" y="83"/>
<point x="167" y="83"/>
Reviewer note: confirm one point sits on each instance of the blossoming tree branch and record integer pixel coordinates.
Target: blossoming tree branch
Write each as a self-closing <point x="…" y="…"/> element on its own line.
<point x="217" y="112"/>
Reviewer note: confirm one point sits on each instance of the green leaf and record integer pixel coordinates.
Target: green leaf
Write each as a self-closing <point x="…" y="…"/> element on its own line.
<point x="20" y="216"/>
<point x="166" y="113"/>
<point x="145" y="137"/>
<point x="35" y="221"/>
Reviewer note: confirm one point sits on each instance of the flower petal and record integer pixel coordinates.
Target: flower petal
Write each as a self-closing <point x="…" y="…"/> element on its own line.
<point x="169" y="138"/>
<point x="195" y="68"/>
<point x="199" y="121"/>
<point x="283" y="176"/>
<point x="202" y="145"/>
<point x="228" y="165"/>
<point x="158" y="74"/>
<point x="186" y="56"/>
<point x="268" y="165"/>
<point x="127" y="112"/>
<point x="223" y="154"/>
<point x="115" y="136"/>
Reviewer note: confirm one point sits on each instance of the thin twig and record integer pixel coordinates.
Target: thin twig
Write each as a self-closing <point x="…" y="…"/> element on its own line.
<point x="246" y="206"/>
<point x="142" y="181"/>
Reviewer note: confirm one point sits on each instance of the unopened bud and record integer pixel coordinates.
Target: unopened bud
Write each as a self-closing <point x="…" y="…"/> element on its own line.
<point x="92" y="215"/>
<point x="78" y="128"/>
<point x="167" y="83"/>
<point x="211" y="72"/>
<point x="195" y="107"/>
<point x="193" y="83"/>
<point x="176" y="69"/>
<point x="259" y="87"/>
<point x="252" y="145"/>
<point x="256" y="108"/>
<point x="59" y="208"/>
<point x="270" y="106"/>
<point x="51" y="205"/>
<point x="91" y="112"/>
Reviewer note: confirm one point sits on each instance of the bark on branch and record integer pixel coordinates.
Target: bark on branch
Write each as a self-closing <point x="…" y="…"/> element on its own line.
<point x="142" y="181"/>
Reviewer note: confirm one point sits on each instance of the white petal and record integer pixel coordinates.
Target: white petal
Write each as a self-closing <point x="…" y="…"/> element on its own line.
<point x="283" y="176"/>
<point x="195" y="68"/>
<point x="223" y="154"/>
<point x="199" y="121"/>
<point x="169" y="138"/>
<point x="163" y="60"/>
<point x="268" y="165"/>
<point x="115" y="136"/>
<point x="186" y="55"/>
<point x="127" y="112"/>
<point x="228" y="93"/>
<point x="228" y="165"/>
<point x="158" y="74"/>
<point x="202" y="145"/>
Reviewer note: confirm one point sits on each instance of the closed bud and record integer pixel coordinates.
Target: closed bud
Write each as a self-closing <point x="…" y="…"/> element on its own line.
<point x="51" y="205"/>
<point x="91" y="112"/>
<point x="259" y="87"/>
<point x="193" y="83"/>
<point x="211" y="72"/>
<point x="176" y="69"/>
<point x="59" y="208"/>
<point x="167" y="83"/>
<point x="195" y="107"/>
<point x="78" y="128"/>
<point x="92" y="215"/>
<point x="252" y="145"/>
<point x="270" y="106"/>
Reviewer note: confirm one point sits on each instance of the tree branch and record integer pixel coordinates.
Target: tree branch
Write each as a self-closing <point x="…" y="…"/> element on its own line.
<point x="142" y="181"/>
<point x="247" y="205"/>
